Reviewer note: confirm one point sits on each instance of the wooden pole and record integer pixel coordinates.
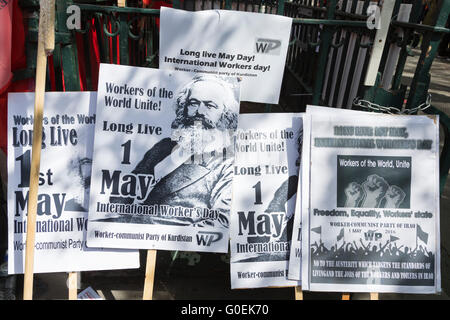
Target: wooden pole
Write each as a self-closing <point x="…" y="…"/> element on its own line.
<point x="298" y="293"/>
<point x="45" y="31"/>
<point x="149" y="275"/>
<point x="41" y="66"/>
<point x="346" y="296"/>
<point x="151" y="254"/>
<point x="73" y="285"/>
<point x="49" y="29"/>
<point x="374" y="296"/>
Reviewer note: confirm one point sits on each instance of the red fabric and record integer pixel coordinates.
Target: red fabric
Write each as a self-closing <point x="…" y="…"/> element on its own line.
<point x="18" y="57"/>
<point x="81" y="61"/>
<point x="6" y="13"/>
<point x="156" y="4"/>
<point x="94" y="52"/>
<point x="18" y="61"/>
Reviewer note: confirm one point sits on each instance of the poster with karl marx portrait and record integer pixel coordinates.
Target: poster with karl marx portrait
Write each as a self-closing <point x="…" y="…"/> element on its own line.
<point x="163" y="160"/>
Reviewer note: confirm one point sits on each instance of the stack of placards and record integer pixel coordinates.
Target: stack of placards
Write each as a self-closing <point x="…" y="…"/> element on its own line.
<point x="370" y="215"/>
<point x="335" y="200"/>
<point x="159" y="172"/>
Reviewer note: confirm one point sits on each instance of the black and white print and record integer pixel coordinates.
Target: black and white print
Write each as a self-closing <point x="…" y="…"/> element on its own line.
<point x="173" y="183"/>
<point x="64" y="185"/>
<point x="370" y="219"/>
<point x="266" y="176"/>
<point x="385" y="183"/>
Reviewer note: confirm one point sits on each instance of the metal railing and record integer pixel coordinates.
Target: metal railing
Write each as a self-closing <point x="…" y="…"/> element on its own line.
<point x="327" y="61"/>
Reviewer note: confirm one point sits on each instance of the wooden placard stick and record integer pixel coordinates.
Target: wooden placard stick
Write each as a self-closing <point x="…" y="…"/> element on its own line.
<point x="149" y="275"/>
<point x="373" y="296"/>
<point x="45" y="35"/>
<point x="151" y="254"/>
<point x="49" y="46"/>
<point x="298" y="293"/>
<point x="72" y="284"/>
<point x="346" y="296"/>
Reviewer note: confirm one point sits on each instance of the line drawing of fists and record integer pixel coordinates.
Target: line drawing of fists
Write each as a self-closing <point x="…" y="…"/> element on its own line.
<point x="394" y="197"/>
<point x="354" y="193"/>
<point x="375" y="188"/>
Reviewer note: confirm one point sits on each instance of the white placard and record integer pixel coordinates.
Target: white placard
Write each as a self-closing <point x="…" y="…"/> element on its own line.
<point x="372" y="220"/>
<point x="230" y="43"/>
<point x="302" y="206"/>
<point x="163" y="160"/>
<point x="64" y="181"/>
<point x="266" y="176"/>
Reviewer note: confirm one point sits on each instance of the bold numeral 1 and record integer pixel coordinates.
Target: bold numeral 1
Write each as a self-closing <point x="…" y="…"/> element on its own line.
<point x="257" y="192"/>
<point x="126" y="152"/>
<point x="25" y="164"/>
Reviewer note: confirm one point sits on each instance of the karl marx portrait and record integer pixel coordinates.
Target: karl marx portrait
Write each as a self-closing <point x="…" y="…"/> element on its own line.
<point x="194" y="167"/>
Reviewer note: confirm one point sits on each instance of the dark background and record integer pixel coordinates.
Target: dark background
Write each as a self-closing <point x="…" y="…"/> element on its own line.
<point x="401" y="177"/>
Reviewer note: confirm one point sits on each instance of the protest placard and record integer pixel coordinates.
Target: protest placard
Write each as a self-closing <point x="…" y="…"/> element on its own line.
<point x="302" y="207"/>
<point x="229" y="43"/>
<point x="371" y="223"/>
<point x="64" y="182"/>
<point x="266" y="175"/>
<point x="163" y="160"/>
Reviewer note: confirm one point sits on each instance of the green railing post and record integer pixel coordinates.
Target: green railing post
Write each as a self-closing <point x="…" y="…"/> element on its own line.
<point x="176" y="4"/>
<point x="69" y="55"/>
<point x="123" y="40"/>
<point x="280" y="8"/>
<point x="326" y="37"/>
<point x="413" y="18"/>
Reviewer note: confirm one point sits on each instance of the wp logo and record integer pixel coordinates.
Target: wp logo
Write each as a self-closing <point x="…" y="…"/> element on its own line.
<point x="268" y="46"/>
<point x="205" y="238"/>
<point x="371" y="235"/>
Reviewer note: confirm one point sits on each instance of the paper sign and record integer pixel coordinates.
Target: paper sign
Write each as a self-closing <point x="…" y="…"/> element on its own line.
<point x="163" y="160"/>
<point x="372" y="223"/>
<point x="228" y="43"/>
<point x="266" y="176"/>
<point x="64" y="182"/>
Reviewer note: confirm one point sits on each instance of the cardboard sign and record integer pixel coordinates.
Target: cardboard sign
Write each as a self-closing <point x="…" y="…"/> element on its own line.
<point x="228" y="43"/>
<point x="371" y="222"/>
<point x="163" y="160"/>
<point x="64" y="182"/>
<point x="266" y="175"/>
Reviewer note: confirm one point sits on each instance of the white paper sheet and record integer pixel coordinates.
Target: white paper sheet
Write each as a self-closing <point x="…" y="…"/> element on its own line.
<point x="163" y="160"/>
<point x="264" y="197"/>
<point x="230" y="43"/>
<point x="64" y="182"/>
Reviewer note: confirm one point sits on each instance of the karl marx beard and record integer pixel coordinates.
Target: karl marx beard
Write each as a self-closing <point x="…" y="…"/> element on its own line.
<point x="198" y="134"/>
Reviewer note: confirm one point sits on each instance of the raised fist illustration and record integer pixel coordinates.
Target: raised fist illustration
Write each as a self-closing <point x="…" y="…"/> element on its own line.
<point x="394" y="197"/>
<point x="374" y="187"/>
<point x="354" y="193"/>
